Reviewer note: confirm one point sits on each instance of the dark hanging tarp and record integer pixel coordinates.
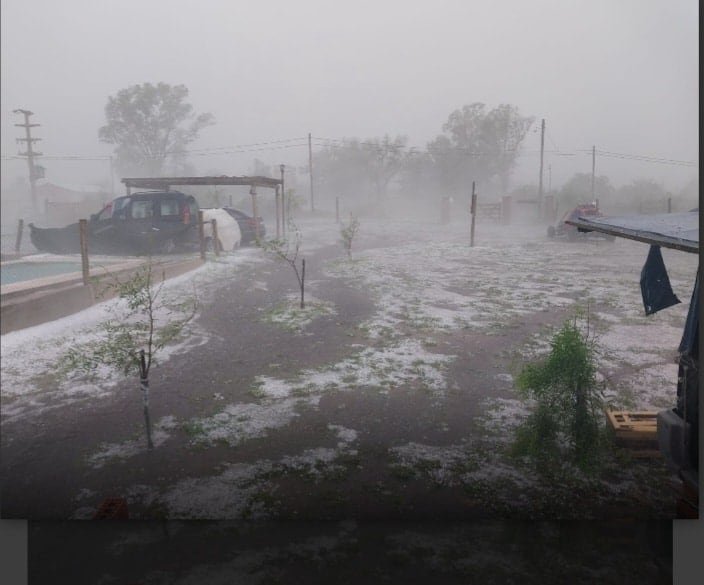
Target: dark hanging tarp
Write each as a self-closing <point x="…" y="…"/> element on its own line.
<point x="655" y="284"/>
<point x="689" y="345"/>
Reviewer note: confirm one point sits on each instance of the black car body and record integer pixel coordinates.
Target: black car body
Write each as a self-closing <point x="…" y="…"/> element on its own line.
<point x="247" y="225"/>
<point x="140" y="223"/>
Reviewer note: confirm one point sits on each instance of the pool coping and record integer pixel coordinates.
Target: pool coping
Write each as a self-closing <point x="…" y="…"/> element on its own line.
<point x="13" y="289"/>
<point x="59" y="296"/>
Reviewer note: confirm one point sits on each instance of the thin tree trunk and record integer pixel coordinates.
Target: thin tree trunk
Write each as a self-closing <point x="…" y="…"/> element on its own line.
<point x="144" y="386"/>
<point x="303" y="281"/>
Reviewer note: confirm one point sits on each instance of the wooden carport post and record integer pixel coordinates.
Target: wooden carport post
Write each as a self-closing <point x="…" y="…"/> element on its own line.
<point x="201" y="234"/>
<point x="83" y="234"/>
<point x="18" y="239"/>
<point x="216" y="239"/>
<point x="253" y="193"/>
<point x="278" y="211"/>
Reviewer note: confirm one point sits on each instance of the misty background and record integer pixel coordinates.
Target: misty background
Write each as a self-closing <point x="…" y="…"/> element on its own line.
<point x="618" y="76"/>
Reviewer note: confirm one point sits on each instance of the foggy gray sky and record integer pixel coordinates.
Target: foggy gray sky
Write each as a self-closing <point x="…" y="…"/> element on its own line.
<point x="621" y="75"/>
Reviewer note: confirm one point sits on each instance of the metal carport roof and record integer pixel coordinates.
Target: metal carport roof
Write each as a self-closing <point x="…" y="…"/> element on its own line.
<point x="669" y="230"/>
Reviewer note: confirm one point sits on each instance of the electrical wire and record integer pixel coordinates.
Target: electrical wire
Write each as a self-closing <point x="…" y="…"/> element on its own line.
<point x="333" y="143"/>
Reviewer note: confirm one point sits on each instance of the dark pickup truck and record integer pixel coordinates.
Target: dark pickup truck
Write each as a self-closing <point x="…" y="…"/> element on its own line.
<point x="150" y="222"/>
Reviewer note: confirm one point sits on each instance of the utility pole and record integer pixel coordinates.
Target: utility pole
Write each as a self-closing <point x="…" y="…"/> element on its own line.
<point x="284" y="211"/>
<point x="310" y="170"/>
<point x="540" y="182"/>
<point x="30" y="154"/>
<point x="593" y="168"/>
<point x="112" y="180"/>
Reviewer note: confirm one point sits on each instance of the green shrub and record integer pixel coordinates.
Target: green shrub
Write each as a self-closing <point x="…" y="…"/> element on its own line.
<point x="568" y="397"/>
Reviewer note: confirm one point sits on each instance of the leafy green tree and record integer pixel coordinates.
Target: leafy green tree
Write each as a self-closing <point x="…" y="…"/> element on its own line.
<point x="479" y="145"/>
<point x="448" y="166"/>
<point x="386" y="159"/>
<point x="502" y="132"/>
<point x="342" y="169"/>
<point x="354" y="169"/>
<point x="150" y="123"/>
<point x="417" y="176"/>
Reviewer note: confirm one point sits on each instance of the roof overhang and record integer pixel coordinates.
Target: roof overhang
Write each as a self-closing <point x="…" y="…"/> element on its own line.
<point x="679" y="231"/>
<point x="166" y="182"/>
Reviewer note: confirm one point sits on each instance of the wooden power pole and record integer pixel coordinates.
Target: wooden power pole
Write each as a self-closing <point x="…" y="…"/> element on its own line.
<point x="593" y="168"/>
<point x="310" y="171"/>
<point x="540" y="180"/>
<point x="30" y="154"/>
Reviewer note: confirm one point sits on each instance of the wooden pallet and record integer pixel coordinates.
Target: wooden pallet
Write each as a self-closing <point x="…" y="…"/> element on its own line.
<point x="636" y="431"/>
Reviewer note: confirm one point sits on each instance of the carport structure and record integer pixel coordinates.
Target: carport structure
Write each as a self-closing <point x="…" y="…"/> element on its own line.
<point x="165" y="184"/>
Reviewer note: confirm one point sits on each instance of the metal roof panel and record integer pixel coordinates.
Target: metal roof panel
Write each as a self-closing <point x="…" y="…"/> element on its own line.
<point x="669" y="230"/>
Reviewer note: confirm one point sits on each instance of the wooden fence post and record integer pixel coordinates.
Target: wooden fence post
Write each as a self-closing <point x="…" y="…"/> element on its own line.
<point x="83" y="232"/>
<point x="474" y="215"/>
<point x="201" y="234"/>
<point x="18" y="240"/>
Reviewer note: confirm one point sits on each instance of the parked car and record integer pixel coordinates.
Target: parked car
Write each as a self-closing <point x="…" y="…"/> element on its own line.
<point x="562" y="229"/>
<point x="247" y="225"/>
<point x="158" y="222"/>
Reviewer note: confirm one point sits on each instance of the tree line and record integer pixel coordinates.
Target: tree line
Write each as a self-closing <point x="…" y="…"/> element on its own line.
<point x="151" y="126"/>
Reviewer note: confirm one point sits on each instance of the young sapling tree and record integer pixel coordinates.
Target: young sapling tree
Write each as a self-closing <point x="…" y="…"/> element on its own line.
<point x="287" y="250"/>
<point x="131" y="342"/>
<point x="348" y="232"/>
<point x="568" y="399"/>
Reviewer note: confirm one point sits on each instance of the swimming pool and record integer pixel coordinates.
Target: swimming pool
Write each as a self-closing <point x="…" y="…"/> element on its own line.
<point x="12" y="272"/>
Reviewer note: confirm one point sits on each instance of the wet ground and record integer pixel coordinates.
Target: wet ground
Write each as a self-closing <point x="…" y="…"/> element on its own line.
<point x="389" y="397"/>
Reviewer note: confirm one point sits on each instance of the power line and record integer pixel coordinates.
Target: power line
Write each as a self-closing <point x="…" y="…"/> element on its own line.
<point x="643" y="158"/>
<point x="301" y="142"/>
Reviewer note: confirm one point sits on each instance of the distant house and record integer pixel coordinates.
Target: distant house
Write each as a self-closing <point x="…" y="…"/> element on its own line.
<point x="64" y="204"/>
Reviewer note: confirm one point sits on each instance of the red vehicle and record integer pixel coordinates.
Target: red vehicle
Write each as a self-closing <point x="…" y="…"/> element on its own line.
<point x="562" y="229"/>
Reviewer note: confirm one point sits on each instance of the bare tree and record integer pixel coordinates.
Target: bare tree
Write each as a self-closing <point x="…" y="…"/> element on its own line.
<point x="287" y="249"/>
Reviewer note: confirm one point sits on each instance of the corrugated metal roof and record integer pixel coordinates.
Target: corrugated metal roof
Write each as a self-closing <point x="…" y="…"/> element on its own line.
<point x="669" y="230"/>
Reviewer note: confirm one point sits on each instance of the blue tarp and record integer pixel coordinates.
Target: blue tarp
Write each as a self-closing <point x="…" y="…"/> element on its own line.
<point x="655" y="284"/>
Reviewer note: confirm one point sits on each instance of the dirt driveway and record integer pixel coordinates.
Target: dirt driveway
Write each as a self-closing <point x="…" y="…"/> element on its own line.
<point x="389" y="396"/>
